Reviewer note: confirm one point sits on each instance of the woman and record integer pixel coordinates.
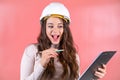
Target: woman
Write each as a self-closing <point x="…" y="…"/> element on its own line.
<point x="54" y="57"/>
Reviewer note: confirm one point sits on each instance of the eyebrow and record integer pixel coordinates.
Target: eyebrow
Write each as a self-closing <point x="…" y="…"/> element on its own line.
<point x="52" y="23"/>
<point x="49" y="23"/>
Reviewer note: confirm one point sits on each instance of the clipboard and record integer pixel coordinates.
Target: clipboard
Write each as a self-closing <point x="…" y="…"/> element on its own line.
<point x="103" y="58"/>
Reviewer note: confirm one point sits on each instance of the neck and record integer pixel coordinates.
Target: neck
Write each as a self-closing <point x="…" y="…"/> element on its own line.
<point x="55" y="46"/>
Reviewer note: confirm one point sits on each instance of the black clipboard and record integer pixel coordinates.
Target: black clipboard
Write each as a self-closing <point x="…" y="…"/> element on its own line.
<point x="103" y="58"/>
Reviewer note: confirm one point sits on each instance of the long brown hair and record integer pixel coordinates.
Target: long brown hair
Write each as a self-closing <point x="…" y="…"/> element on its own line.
<point x="66" y="58"/>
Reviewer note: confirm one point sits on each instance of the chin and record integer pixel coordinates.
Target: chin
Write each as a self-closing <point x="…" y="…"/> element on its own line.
<point x="55" y="42"/>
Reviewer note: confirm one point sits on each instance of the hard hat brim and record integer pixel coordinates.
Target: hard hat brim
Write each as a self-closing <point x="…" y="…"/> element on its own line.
<point x="56" y="15"/>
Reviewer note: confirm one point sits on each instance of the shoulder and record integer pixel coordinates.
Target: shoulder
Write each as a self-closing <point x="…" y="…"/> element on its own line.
<point x="31" y="50"/>
<point x="31" y="47"/>
<point x="77" y="58"/>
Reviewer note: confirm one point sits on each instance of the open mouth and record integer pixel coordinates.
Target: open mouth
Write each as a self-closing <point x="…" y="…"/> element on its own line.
<point x="55" y="37"/>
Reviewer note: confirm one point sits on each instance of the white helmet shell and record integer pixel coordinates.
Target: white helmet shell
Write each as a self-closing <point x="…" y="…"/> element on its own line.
<point x="55" y="8"/>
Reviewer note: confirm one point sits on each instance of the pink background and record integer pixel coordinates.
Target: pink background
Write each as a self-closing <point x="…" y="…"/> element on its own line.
<point x="95" y="27"/>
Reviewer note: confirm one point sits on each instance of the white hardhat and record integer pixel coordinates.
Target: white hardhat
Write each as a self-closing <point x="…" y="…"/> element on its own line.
<point x="55" y="8"/>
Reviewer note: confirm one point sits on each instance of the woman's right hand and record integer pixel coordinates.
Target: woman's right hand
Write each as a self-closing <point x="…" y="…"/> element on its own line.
<point x="46" y="55"/>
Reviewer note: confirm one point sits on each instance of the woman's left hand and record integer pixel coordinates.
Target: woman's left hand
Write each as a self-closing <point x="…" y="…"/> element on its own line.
<point x="100" y="73"/>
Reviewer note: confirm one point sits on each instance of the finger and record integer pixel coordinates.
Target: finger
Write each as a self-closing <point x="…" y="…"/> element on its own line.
<point x="102" y="70"/>
<point x="103" y="66"/>
<point x="53" y="52"/>
<point x="49" y="52"/>
<point x="52" y="56"/>
<point x="99" y="75"/>
<point x="52" y="49"/>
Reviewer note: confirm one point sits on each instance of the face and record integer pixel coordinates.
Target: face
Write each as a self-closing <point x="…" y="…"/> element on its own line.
<point x="54" y="29"/>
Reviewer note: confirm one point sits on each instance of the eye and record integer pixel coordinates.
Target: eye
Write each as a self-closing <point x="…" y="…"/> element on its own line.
<point x="60" y="26"/>
<point x="50" y="26"/>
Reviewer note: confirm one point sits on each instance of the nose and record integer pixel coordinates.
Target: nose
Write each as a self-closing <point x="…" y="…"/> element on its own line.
<point x="55" y="30"/>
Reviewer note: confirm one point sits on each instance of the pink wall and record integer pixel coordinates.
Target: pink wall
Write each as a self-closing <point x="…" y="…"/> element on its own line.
<point x="95" y="26"/>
